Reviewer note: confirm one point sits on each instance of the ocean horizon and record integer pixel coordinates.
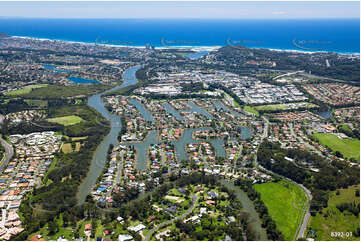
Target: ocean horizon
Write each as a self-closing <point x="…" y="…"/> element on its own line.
<point x="304" y="35"/>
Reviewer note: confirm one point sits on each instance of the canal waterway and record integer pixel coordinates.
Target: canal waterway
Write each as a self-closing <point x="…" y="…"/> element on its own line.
<point x="99" y="156"/>
<point x="326" y="114"/>
<point x="172" y="111"/>
<point x="147" y="116"/>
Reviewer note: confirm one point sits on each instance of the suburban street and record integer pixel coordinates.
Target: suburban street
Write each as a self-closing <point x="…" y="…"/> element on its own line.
<point x="194" y="202"/>
<point x="303" y="142"/>
<point x="9" y="152"/>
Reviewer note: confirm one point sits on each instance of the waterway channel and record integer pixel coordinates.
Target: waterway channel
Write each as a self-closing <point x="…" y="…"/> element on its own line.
<point x="248" y="206"/>
<point x="99" y="156"/>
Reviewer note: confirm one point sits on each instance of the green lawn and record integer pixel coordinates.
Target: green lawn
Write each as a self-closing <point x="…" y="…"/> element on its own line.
<point x="282" y="200"/>
<point x="349" y="148"/>
<point x="250" y="109"/>
<point x="25" y="90"/>
<point x="66" y="120"/>
<point x="274" y="107"/>
<point x="332" y="220"/>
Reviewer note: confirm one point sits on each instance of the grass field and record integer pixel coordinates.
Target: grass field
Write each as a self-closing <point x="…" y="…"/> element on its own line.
<point x="349" y="148"/>
<point x="66" y="148"/>
<point x="78" y="138"/>
<point x="332" y="220"/>
<point x="55" y="91"/>
<point x="66" y="120"/>
<point x="25" y="90"/>
<point x="36" y="103"/>
<point x="285" y="202"/>
<point x="251" y="110"/>
<point x="274" y="107"/>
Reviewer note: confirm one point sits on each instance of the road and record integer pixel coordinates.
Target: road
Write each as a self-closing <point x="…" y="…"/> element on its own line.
<point x="303" y="224"/>
<point x="321" y="77"/>
<point x="9" y="152"/>
<point x="290" y="125"/>
<point x="119" y="172"/>
<point x="265" y="131"/>
<point x="120" y="167"/>
<point x="236" y="158"/>
<point x="194" y="202"/>
<point x="287" y="74"/>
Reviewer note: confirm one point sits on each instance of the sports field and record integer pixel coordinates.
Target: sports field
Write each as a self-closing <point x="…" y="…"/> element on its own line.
<point x="285" y="202"/>
<point x="25" y="90"/>
<point x="66" y="120"/>
<point x="349" y="148"/>
<point x="331" y="219"/>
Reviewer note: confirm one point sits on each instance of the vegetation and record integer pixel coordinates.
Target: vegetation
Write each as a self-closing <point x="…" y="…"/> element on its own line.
<point x="58" y="92"/>
<point x="273" y="232"/>
<point x="66" y="120"/>
<point x="354" y="133"/>
<point x="342" y="214"/>
<point x="45" y="204"/>
<point x="349" y="147"/>
<point x="286" y="203"/>
<point x="282" y="107"/>
<point x="250" y="109"/>
<point x="71" y="222"/>
<point x="332" y="175"/>
<point x="25" y="90"/>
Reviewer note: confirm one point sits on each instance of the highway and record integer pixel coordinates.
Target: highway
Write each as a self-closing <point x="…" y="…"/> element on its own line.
<point x="287" y="74"/>
<point x="9" y="152"/>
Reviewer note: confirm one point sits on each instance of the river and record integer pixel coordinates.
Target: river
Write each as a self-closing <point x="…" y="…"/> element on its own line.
<point x="247" y="206"/>
<point x="99" y="156"/>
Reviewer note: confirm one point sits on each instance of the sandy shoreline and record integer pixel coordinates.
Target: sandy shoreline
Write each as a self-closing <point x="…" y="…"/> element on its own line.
<point x="193" y="48"/>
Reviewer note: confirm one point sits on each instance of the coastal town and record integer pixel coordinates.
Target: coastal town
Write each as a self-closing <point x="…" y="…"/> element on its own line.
<point x="122" y="143"/>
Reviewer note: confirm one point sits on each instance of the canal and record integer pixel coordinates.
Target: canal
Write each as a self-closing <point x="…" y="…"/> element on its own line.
<point x="99" y="156"/>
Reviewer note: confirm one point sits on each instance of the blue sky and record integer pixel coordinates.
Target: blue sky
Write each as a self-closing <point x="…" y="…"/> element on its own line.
<point x="203" y="10"/>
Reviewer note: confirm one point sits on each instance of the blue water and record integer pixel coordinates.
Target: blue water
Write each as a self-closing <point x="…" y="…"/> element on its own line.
<point x="81" y="80"/>
<point x="172" y="111"/>
<point x="53" y="68"/>
<point x="196" y="109"/>
<point x="49" y="67"/>
<point x="147" y="116"/>
<point x="196" y="55"/>
<point x="338" y="35"/>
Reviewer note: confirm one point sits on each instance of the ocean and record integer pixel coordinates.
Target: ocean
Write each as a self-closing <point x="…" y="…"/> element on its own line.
<point x="335" y="35"/>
